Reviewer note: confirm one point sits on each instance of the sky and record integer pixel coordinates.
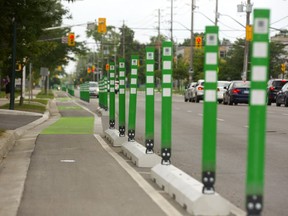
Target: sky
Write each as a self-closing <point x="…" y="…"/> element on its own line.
<point x="142" y="17"/>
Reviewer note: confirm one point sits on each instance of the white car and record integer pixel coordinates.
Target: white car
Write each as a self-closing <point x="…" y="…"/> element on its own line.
<point x="189" y="91"/>
<point x="198" y="93"/>
<point x="221" y="90"/>
<point x="93" y="89"/>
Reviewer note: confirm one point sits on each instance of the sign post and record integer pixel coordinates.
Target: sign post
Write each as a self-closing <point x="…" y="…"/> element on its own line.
<point x="133" y="98"/>
<point x="149" y="127"/>
<point x="257" y="113"/>
<point x="112" y="96"/>
<point x="122" y="98"/>
<point x="210" y="110"/>
<point x="166" y="130"/>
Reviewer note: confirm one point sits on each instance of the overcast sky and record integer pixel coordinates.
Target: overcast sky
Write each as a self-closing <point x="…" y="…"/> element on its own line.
<point x="142" y="16"/>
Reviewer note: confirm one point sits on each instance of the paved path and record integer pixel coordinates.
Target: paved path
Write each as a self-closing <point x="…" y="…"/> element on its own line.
<point x="75" y="174"/>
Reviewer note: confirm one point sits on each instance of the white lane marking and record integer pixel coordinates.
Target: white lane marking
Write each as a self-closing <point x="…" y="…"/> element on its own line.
<point x="286" y="114"/>
<point x="189" y="111"/>
<point x="150" y="191"/>
<point x="67" y="161"/>
<point x="200" y="114"/>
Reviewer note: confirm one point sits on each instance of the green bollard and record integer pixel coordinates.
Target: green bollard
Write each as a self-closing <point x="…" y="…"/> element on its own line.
<point x="101" y="89"/>
<point x="209" y="138"/>
<point x="112" y="95"/>
<point x="166" y="130"/>
<point x="122" y="97"/>
<point x="257" y="113"/>
<point x="149" y="126"/>
<point x="105" y="94"/>
<point x="133" y="98"/>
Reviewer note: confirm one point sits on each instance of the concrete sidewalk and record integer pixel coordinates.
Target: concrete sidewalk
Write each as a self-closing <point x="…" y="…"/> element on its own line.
<point x="72" y="174"/>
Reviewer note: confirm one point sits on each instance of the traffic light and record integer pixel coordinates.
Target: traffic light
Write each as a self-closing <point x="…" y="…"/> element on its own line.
<point x="198" y="42"/>
<point x="249" y="32"/>
<point x="102" y="25"/>
<point x="71" y="39"/>
<point x="283" y="68"/>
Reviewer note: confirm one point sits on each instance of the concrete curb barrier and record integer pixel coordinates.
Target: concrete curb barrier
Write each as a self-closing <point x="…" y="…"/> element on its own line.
<point x="112" y="135"/>
<point x="9" y="138"/>
<point x="188" y="192"/>
<point x="137" y="153"/>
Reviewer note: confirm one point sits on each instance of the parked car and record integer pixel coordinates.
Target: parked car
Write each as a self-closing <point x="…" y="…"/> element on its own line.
<point x="188" y="91"/>
<point x="282" y="96"/>
<point x="93" y="89"/>
<point x="198" y="92"/>
<point x="221" y="90"/>
<point x="237" y="92"/>
<point x="274" y="85"/>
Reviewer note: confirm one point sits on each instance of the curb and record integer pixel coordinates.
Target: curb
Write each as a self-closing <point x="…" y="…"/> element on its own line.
<point x="9" y="138"/>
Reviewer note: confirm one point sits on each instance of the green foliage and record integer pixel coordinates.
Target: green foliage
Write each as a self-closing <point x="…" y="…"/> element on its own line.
<point x="42" y="94"/>
<point x="26" y="107"/>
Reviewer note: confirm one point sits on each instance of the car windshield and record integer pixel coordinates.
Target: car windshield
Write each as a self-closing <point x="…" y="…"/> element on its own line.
<point x="242" y="84"/>
<point x="280" y="83"/>
<point x="93" y="84"/>
<point x="223" y="84"/>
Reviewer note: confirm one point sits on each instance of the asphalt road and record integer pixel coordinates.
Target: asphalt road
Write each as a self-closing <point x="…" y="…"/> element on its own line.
<point x="231" y="147"/>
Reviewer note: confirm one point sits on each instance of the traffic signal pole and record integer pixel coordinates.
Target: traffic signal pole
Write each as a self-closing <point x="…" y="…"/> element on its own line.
<point x="257" y="113"/>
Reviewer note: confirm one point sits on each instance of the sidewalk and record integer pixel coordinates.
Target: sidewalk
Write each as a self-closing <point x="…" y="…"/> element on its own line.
<point x="75" y="174"/>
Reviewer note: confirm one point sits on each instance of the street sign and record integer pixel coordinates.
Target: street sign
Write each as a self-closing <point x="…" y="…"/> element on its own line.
<point x="44" y="71"/>
<point x="102" y="25"/>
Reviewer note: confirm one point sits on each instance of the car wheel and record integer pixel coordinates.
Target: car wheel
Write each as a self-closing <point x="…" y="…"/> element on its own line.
<point x="185" y="99"/>
<point x="229" y="101"/>
<point x="277" y="103"/>
<point x="286" y="102"/>
<point x="269" y="102"/>
<point x="196" y="99"/>
<point x="236" y="104"/>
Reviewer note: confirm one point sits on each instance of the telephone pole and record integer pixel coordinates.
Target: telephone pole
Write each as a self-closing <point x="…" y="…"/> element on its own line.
<point x="191" y="42"/>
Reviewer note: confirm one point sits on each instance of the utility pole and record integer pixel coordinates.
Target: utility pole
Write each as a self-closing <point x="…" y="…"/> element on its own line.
<point x="159" y="42"/>
<point x="247" y="43"/>
<point x="191" y="42"/>
<point x="171" y="20"/>
<point x="216" y="13"/>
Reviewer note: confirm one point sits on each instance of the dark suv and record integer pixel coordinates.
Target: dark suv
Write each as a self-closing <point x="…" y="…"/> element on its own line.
<point x="274" y="86"/>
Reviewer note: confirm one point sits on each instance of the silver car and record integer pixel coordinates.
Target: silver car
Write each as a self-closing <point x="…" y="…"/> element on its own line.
<point x="94" y="89"/>
<point x="189" y="91"/>
<point x="221" y="89"/>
